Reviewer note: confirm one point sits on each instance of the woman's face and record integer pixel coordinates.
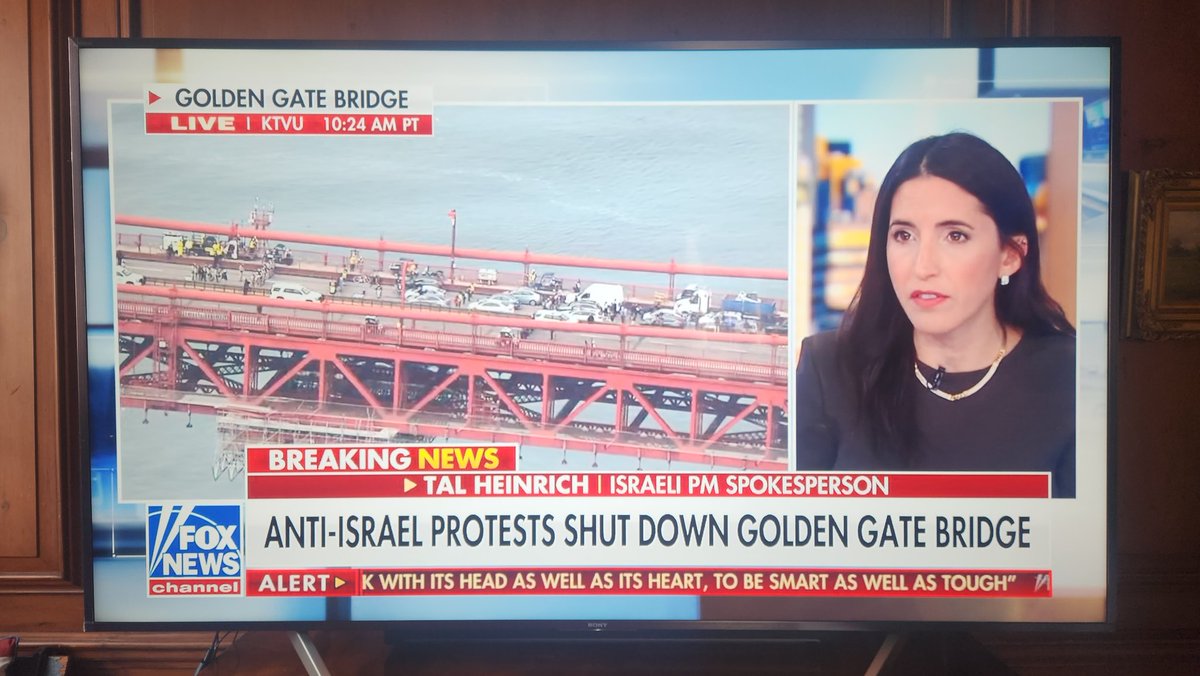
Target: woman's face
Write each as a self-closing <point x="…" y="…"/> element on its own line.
<point x="945" y="259"/>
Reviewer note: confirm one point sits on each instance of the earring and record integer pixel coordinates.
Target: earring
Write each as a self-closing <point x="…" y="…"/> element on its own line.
<point x="1004" y="280"/>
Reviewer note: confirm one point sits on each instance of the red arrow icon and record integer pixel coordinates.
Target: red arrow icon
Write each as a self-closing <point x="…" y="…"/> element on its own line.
<point x="152" y="96"/>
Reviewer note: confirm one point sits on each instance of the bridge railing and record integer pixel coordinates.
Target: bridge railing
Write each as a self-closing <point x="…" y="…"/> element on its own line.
<point x="589" y="353"/>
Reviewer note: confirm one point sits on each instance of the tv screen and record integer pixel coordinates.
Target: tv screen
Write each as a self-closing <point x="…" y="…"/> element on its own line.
<point x="577" y="336"/>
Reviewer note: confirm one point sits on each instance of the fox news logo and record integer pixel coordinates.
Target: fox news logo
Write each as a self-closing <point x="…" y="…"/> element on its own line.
<point x="194" y="550"/>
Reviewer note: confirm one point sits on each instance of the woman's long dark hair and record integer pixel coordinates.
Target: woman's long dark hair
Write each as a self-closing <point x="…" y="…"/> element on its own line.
<point x="875" y="342"/>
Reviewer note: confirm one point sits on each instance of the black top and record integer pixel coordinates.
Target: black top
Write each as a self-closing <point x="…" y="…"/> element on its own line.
<point x="1022" y="420"/>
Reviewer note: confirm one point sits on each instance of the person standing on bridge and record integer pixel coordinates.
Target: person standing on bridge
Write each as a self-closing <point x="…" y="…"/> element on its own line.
<point x="952" y="355"/>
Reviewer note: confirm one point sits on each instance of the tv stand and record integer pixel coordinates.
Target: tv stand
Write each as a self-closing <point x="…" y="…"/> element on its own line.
<point x="307" y="652"/>
<point x="934" y="653"/>
<point x="942" y="653"/>
<point x="890" y="644"/>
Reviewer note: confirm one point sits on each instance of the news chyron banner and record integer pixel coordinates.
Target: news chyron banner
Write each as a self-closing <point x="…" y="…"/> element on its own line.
<point x="288" y="110"/>
<point x="402" y="520"/>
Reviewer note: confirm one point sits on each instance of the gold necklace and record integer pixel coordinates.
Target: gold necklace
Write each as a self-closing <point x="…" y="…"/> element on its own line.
<point x="965" y="393"/>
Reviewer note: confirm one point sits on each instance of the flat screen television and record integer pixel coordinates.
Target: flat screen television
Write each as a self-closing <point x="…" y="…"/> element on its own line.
<point x="578" y="337"/>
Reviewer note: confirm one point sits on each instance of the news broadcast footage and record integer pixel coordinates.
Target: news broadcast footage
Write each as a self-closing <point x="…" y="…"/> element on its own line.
<point x="406" y="334"/>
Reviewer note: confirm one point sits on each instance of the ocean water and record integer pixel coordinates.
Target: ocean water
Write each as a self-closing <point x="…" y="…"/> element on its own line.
<point x="691" y="183"/>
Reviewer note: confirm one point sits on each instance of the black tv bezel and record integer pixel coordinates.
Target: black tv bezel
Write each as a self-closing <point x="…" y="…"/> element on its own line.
<point x="77" y="430"/>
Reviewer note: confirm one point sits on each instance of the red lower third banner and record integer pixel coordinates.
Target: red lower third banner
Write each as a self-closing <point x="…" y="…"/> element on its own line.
<point x="321" y="124"/>
<point x="336" y="484"/>
<point x="651" y="581"/>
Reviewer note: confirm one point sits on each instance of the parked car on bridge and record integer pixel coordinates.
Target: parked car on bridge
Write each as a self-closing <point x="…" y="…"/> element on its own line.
<point x="665" y="317"/>
<point x="281" y="254"/>
<point x="125" y="276"/>
<point x="728" y="322"/>
<point x="525" y="296"/>
<point x="586" y="312"/>
<point x="555" y="315"/>
<point x="492" y="305"/>
<point x="430" y="300"/>
<point x="425" y="280"/>
<point x="779" y="327"/>
<point x="424" y="292"/>
<point x="292" y="291"/>
<point x="548" y="282"/>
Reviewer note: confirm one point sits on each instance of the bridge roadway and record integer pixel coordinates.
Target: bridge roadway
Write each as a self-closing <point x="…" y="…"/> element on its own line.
<point x="326" y="264"/>
<point x="607" y="345"/>
<point x="358" y="302"/>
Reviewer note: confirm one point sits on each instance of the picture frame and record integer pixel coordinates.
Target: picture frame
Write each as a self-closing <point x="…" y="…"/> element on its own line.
<point x="1163" y="256"/>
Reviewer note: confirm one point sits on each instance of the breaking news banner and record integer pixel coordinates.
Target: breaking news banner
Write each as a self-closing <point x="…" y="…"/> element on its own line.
<point x="194" y="550"/>
<point x="280" y="109"/>
<point x="336" y="521"/>
<point x="635" y="581"/>
<point x="438" y="471"/>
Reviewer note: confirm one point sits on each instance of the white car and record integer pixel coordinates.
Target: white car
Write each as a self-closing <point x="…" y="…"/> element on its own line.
<point x="424" y="292"/>
<point x="727" y="322"/>
<point x="554" y="316"/>
<point x="430" y="300"/>
<point x="525" y="296"/>
<point x="492" y="305"/>
<point x="290" y="291"/>
<point x="124" y="276"/>
<point x="664" y="317"/>
<point x="587" y="313"/>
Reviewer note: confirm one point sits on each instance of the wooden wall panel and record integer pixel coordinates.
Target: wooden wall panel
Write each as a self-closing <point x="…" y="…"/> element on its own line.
<point x="545" y="19"/>
<point x="49" y="179"/>
<point x="32" y="501"/>
<point x="1158" y="463"/>
<point x="987" y="18"/>
<point x="1160" y="66"/>
<point x="100" y="19"/>
<point x="18" y="480"/>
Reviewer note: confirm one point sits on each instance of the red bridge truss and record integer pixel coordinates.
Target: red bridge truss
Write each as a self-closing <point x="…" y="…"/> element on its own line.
<point x="440" y="373"/>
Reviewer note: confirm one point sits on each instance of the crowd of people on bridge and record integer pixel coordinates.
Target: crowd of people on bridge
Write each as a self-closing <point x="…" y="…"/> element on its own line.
<point x="248" y="279"/>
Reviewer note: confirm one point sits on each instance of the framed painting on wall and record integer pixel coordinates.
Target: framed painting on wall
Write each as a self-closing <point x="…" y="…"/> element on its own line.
<point x="1163" y="296"/>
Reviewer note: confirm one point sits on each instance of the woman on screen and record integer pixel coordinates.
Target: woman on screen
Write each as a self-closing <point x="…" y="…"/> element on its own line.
<point x="952" y="356"/>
